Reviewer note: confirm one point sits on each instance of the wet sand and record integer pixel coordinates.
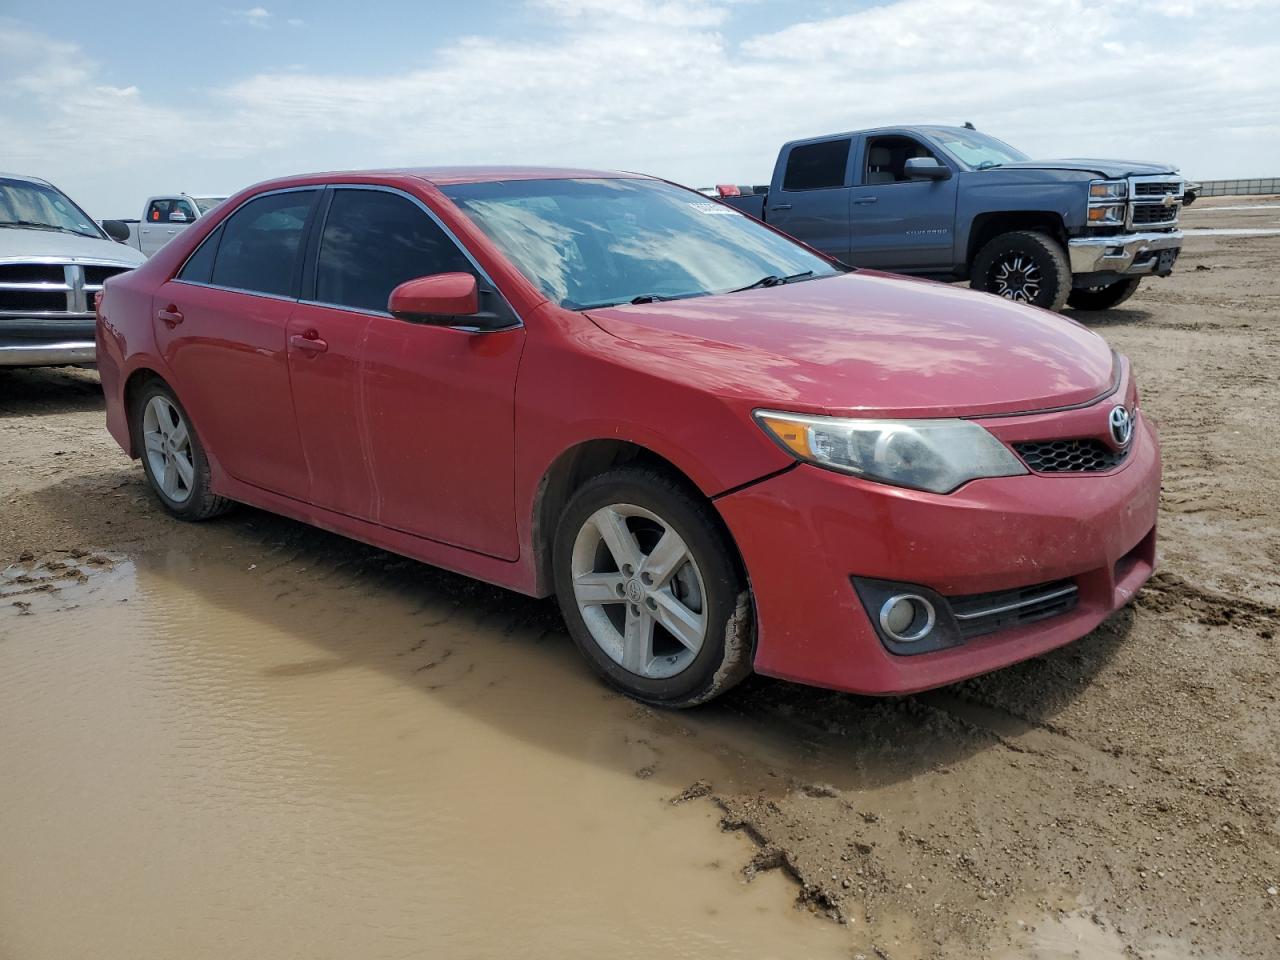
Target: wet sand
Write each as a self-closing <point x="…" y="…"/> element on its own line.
<point x="252" y="738"/>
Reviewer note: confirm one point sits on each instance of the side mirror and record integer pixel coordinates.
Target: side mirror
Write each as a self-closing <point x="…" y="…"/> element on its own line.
<point x="442" y="298"/>
<point x="926" y="168"/>
<point x="117" y="230"/>
<point x="177" y="217"/>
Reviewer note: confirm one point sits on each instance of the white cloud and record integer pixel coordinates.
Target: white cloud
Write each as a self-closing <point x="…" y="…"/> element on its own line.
<point x="657" y="86"/>
<point x="259" y="17"/>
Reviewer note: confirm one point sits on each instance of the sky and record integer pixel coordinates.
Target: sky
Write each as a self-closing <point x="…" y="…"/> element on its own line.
<point x="115" y="101"/>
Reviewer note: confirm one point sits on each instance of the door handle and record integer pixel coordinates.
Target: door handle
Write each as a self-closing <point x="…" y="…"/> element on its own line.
<point x="308" y="342"/>
<point x="865" y="200"/>
<point x="170" y="315"/>
<point x="780" y="206"/>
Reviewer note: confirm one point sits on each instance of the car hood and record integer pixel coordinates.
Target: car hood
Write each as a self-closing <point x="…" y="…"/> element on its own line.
<point x="1111" y="169"/>
<point x="869" y="343"/>
<point x="25" y="243"/>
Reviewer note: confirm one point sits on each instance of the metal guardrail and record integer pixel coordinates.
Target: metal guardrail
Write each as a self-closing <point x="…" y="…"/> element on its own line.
<point x="1239" y="188"/>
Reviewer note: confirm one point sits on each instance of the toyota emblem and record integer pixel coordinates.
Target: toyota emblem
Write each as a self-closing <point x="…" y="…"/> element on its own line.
<point x="1121" y="426"/>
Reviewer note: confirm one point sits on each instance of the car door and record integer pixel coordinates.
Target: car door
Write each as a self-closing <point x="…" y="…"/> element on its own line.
<point x="896" y="223"/>
<point x="404" y="424"/>
<point x="221" y="329"/>
<point x="812" y="202"/>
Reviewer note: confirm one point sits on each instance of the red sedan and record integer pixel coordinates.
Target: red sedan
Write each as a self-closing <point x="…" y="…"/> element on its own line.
<point x="722" y="451"/>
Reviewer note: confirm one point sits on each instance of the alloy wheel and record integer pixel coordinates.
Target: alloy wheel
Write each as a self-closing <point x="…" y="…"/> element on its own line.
<point x="639" y="590"/>
<point x="167" y="445"/>
<point x="1017" y="277"/>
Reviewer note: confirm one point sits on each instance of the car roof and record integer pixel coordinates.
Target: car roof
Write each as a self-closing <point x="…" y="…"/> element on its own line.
<point x="24" y="176"/>
<point x="874" y="131"/>
<point x="445" y="176"/>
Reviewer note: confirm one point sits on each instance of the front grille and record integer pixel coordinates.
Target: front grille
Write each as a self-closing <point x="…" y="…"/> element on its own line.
<point x="32" y="273"/>
<point x="52" y="291"/>
<point x="1086" y="455"/>
<point x="983" y="613"/>
<point x="33" y="301"/>
<point x="95" y="276"/>
<point x="1150" y="214"/>
<point x="1155" y="188"/>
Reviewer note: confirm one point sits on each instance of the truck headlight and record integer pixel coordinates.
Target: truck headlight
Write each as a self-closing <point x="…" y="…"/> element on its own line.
<point x="933" y="455"/>
<point x="1109" y="215"/>
<point x="1108" y="189"/>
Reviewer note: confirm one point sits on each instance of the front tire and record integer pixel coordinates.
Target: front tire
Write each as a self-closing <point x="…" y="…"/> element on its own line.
<point x="650" y="589"/>
<point x="1025" y="266"/>
<point x="172" y="455"/>
<point x="1105" y="297"/>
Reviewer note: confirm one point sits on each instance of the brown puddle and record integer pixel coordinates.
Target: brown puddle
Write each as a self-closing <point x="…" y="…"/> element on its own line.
<point x="272" y="751"/>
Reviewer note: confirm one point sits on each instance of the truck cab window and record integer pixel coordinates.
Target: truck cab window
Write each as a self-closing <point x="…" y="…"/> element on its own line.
<point x="887" y="157"/>
<point x="259" y="247"/>
<point x="817" y="166"/>
<point x="373" y="241"/>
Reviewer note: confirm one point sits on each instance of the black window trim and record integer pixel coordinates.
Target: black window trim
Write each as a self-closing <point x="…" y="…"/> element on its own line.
<point x="306" y="234"/>
<point x="846" y="181"/>
<point x="313" y="250"/>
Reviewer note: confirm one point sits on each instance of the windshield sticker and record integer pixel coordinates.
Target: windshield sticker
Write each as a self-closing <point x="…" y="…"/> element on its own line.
<point x="707" y="207"/>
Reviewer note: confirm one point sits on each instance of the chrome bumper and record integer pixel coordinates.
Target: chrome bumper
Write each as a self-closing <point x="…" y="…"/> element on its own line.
<point x="40" y="353"/>
<point x="1135" y="254"/>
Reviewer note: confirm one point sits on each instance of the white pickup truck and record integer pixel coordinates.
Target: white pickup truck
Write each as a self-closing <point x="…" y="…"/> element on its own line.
<point x="163" y="218"/>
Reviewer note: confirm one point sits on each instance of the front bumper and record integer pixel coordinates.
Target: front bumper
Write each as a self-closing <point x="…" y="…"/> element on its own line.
<point x="806" y="533"/>
<point x="54" y="351"/>
<point x="1128" y="254"/>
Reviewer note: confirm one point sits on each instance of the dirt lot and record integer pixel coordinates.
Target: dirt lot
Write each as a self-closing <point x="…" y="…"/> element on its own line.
<point x="254" y="738"/>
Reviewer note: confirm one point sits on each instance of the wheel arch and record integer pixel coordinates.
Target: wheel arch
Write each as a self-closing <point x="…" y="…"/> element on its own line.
<point x="134" y="385"/>
<point x="573" y="467"/>
<point x="987" y="226"/>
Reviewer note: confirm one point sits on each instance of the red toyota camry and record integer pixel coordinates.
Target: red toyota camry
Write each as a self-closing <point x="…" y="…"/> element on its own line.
<point x="719" y="449"/>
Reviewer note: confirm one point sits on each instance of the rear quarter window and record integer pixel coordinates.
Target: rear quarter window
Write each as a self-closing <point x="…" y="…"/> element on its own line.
<point x="817" y="166"/>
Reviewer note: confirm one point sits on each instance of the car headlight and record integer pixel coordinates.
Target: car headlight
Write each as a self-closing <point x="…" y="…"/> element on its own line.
<point x="1108" y="189"/>
<point x="933" y="455"/>
<point x="1106" y="215"/>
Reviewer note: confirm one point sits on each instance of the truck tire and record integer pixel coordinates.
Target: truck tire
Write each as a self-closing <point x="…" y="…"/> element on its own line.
<point x="1104" y="297"/>
<point x="1025" y="266"/>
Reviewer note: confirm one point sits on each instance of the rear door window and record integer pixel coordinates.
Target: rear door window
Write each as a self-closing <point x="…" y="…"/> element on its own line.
<point x="260" y="244"/>
<point x="372" y="242"/>
<point x="199" y="266"/>
<point x="817" y="166"/>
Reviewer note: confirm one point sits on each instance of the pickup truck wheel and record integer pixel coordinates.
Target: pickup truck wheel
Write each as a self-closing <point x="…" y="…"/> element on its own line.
<point x="649" y="588"/>
<point x="1104" y="297"/>
<point x="1025" y="266"/>
<point x="172" y="455"/>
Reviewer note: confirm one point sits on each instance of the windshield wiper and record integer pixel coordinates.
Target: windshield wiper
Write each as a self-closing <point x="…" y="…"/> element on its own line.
<point x="773" y="281"/>
<point x="36" y="225"/>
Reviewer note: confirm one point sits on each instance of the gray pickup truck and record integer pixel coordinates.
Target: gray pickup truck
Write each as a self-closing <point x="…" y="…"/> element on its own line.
<point x="953" y="203"/>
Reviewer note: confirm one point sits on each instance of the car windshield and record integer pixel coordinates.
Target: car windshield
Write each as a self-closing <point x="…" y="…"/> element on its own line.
<point x="38" y="206"/>
<point x="592" y="243"/>
<point x="205" y="204"/>
<point x="975" y="149"/>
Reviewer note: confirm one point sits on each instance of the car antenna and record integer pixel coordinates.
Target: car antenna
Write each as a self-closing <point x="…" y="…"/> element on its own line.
<point x="969" y="126"/>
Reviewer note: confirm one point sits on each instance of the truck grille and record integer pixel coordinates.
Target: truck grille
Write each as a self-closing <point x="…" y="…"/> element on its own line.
<point x="52" y="290"/>
<point x="1154" y="214"/>
<point x="984" y="613"/>
<point x="1086" y="455"/>
<point x="1147" y="209"/>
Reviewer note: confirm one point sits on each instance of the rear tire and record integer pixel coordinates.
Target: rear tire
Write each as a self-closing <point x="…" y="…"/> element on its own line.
<point x="1105" y="297"/>
<point x="1025" y="266"/>
<point x="172" y="456"/>
<point x="650" y="589"/>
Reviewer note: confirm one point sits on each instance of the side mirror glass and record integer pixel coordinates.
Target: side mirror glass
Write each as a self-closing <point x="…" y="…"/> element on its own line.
<point x="446" y="299"/>
<point x="926" y="168"/>
<point x="117" y="230"/>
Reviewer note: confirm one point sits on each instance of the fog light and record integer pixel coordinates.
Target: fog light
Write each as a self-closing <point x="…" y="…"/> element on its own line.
<point x="907" y="617"/>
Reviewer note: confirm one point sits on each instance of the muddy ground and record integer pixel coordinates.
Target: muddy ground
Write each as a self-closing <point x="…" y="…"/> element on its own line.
<point x="252" y="738"/>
